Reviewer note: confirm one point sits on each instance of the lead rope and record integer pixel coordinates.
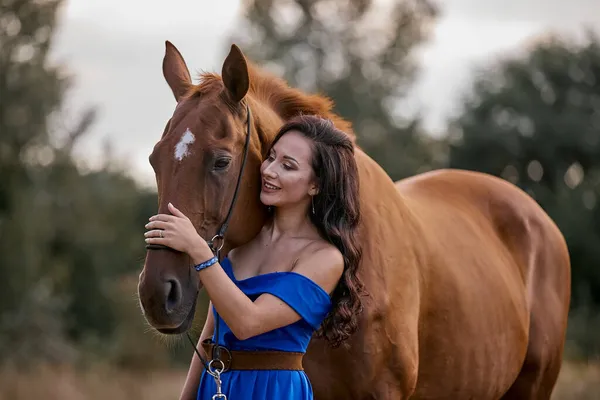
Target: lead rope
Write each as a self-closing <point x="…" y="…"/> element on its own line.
<point x="214" y="371"/>
<point x="216" y="366"/>
<point x="217" y="370"/>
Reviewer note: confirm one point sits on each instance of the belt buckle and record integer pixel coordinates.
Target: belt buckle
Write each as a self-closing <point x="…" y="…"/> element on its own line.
<point x="226" y="361"/>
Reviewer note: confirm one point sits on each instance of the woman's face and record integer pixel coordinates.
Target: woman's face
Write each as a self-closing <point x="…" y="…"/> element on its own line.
<point x="287" y="174"/>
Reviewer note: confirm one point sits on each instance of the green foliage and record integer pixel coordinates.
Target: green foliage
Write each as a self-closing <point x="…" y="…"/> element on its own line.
<point x="30" y="91"/>
<point x="360" y="54"/>
<point x="66" y="237"/>
<point x="535" y="121"/>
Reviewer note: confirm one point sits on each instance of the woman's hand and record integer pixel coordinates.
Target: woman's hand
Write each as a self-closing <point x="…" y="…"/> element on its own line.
<point x="175" y="231"/>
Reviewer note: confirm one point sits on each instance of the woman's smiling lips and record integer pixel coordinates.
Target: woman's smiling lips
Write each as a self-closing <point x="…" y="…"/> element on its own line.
<point x="269" y="187"/>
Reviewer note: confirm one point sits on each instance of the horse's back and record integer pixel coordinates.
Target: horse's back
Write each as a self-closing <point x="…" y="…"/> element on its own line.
<point x="496" y="285"/>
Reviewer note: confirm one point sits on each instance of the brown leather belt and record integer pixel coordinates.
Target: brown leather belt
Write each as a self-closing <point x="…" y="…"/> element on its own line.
<point x="257" y="360"/>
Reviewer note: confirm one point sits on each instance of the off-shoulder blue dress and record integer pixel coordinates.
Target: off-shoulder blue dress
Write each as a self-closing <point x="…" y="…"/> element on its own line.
<point x="310" y="301"/>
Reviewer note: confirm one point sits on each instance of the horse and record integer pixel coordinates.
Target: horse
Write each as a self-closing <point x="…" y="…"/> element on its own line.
<point x="467" y="278"/>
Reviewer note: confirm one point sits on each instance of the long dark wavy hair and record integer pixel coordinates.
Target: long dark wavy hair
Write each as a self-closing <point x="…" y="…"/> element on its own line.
<point x="336" y="216"/>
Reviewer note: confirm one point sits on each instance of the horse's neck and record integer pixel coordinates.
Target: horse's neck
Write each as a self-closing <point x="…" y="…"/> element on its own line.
<point x="269" y="120"/>
<point x="275" y="102"/>
<point x="266" y="121"/>
<point x="285" y="102"/>
<point x="376" y="185"/>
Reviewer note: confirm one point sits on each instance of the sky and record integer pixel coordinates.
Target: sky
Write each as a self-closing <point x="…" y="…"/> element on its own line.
<point x="114" y="50"/>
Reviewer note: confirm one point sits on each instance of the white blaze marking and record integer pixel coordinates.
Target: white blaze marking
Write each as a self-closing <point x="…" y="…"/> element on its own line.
<point x="181" y="149"/>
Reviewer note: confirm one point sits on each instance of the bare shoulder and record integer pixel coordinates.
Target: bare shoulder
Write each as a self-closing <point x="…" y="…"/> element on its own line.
<point x="237" y="256"/>
<point x="321" y="262"/>
<point x="234" y="253"/>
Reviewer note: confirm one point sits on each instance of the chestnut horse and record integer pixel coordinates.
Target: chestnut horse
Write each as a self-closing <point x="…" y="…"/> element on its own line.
<point x="468" y="278"/>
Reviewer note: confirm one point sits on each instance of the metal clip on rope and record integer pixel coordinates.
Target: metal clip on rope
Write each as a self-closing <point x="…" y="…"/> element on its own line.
<point x="216" y="374"/>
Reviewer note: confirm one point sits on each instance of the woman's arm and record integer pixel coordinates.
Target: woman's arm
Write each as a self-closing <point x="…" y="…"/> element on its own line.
<point x="244" y="317"/>
<point x="190" y="388"/>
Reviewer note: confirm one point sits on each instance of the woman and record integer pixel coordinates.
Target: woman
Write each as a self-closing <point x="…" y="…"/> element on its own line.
<point x="298" y="276"/>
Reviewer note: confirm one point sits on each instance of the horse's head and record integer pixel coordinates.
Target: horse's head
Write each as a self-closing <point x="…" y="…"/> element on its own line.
<point x="197" y="163"/>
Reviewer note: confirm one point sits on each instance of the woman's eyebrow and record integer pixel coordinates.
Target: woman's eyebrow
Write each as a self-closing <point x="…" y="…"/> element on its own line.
<point x="291" y="159"/>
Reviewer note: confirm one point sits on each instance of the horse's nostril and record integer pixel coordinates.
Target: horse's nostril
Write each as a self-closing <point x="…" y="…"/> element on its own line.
<point x="173" y="292"/>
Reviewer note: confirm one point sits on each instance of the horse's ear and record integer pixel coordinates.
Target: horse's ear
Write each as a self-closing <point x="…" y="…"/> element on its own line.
<point x="175" y="71"/>
<point x="235" y="74"/>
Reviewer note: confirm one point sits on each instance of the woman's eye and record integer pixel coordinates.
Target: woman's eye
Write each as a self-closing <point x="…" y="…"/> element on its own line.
<point x="286" y="166"/>
<point x="222" y="163"/>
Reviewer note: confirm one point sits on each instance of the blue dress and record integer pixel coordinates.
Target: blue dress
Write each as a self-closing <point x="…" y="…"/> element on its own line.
<point x="310" y="301"/>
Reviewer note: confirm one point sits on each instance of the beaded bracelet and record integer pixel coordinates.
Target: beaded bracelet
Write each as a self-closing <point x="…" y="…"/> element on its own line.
<point x="206" y="264"/>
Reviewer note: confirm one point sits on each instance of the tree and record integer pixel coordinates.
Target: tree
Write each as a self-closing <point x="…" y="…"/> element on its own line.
<point x="66" y="236"/>
<point x="535" y="121"/>
<point x="30" y="91"/>
<point x="360" y="54"/>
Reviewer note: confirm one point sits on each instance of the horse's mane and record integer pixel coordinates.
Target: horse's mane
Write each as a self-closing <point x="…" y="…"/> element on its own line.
<point x="286" y="101"/>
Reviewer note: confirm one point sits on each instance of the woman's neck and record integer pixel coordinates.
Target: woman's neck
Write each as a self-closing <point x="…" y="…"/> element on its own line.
<point x="289" y="223"/>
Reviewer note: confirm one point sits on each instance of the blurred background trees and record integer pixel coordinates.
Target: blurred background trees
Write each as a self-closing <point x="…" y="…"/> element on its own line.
<point x="359" y="53"/>
<point x="67" y="237"/>
<point x="71" y="242"/>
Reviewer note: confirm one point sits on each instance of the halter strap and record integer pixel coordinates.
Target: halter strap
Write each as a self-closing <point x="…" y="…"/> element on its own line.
<point x="216" y="249"/>
<point x="221" y="232"/>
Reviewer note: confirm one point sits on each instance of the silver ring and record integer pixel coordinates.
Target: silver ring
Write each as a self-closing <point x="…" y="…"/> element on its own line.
<point x="161" y="233"/>
<point x="212" y="242"/>
<point x="215" y="372"/>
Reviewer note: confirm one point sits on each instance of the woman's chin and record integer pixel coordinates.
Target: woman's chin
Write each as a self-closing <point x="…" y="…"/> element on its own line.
<point x="267" y="200"/>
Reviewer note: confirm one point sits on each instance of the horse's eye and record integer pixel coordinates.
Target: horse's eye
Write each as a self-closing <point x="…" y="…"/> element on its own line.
<point x="222" y="163"/>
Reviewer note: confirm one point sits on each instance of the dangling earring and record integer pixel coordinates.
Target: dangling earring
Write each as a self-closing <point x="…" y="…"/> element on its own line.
<point x="312" y="200"/>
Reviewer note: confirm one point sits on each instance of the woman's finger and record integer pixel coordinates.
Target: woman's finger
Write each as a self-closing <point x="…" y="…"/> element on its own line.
<point x="155" y="240"/>
<point x="175" y="211"/>
<point x="162" y="217"/>
<point x="157" y="225"/>
<point x="159" y="233"/>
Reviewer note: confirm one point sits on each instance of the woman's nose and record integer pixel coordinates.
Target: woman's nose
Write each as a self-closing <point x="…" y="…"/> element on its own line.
<point x="268" y="171"/>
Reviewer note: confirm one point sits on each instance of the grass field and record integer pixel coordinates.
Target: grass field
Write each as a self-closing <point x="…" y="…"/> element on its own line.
<point x="577" y="382"/>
